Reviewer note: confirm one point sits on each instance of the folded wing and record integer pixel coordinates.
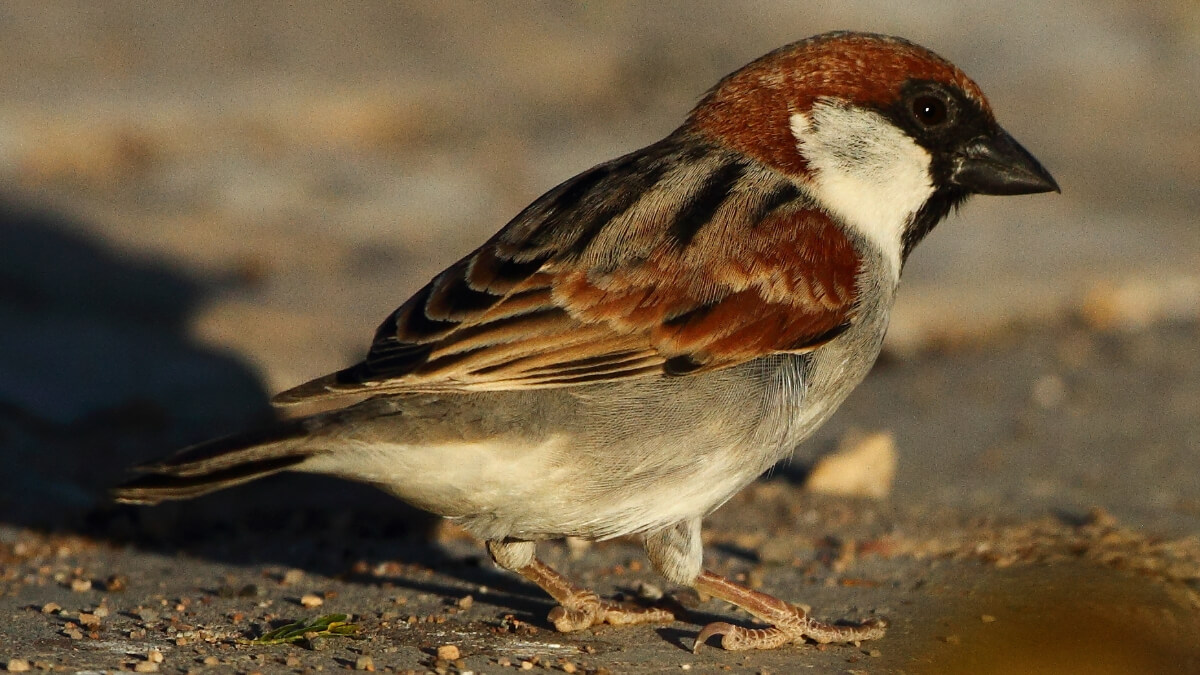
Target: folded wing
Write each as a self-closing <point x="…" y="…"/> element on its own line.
<point x="676" y="259"/>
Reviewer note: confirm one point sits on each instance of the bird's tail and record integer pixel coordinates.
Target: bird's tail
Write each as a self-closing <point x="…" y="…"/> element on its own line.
<point x="221" y="463"/>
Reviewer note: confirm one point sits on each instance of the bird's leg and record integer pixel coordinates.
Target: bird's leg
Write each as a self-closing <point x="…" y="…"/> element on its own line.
<point x="789" y="623"/>
<point x="677" y="554"/>
<point x="578" y="607"/>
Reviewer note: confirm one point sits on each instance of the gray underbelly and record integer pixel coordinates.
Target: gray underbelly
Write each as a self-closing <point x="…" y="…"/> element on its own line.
<point x="596" y="461"/>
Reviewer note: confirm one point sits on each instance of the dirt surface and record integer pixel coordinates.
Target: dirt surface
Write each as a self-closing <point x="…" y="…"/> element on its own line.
<point x="201" y="204"/>
<point x="1013" y="566"/>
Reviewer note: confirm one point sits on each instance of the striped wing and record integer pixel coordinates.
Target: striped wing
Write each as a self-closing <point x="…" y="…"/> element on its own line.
<point x="680" y="258"/>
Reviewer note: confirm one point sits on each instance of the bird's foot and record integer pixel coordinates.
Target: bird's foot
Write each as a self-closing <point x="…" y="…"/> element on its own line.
<point x="795" y="628"/>
<point x="789" y="623"/>
<point x="585" y="609"/>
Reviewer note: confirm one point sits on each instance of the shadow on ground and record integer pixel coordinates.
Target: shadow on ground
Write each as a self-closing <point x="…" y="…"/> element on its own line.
<point x="99" y="371"/>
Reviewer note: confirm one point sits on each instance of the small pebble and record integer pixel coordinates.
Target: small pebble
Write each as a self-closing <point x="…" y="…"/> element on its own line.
<point x="310" y="601"/>
<point x="568" y="667"/>
<point x="18" y="666"/>
<point x="527" y="665"/>
<point x="51" y="607"/>
<point x="81" y="585"/>
<point x="465" y="602"/>
<point x="89" y="620"/>
<point x="116" y="584"/>
<point x="449" y="653"/>
<point x="145" y="667"/>
<point x="292" y="661"/>
<point x="365" y="663"/>
<point x="864" y="465"/>
<point x="211" y="661"/>
<point x="154" y="656"/>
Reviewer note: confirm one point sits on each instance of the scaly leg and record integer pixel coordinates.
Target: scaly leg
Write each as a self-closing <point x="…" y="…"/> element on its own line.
<point x="676" y="553"/>
<point x="578" y="607"/>
<point x="789" y="623"/>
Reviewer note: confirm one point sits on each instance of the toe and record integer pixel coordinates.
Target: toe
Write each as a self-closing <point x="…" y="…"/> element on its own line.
<point x="824" y="633"/>
<point x="615" y="615"/>
<point x="737" y="638"/>
<point x="571" y="620"/>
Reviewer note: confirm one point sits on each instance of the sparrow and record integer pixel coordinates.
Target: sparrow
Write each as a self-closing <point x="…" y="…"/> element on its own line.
<point x="648" y="337"/>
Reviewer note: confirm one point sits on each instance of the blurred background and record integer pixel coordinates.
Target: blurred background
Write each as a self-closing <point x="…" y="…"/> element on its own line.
<point x="205" y="202"/>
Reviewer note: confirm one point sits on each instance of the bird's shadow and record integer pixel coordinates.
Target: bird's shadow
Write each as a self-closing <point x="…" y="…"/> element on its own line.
<point x="99" y="370"/>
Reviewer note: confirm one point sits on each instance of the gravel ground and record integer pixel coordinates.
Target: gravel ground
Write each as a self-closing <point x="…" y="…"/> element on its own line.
<point x="202" y="203"/>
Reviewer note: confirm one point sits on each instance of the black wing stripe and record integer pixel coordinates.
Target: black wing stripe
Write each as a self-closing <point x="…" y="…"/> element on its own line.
<point x="453" y="299"/>
<point x="493" y="331"/>
<point x="786" y="192"/>
<point x="703" y="205"/>
<point x="615" y="204"/>
<point x="418" y="326"/>
<point x="683" y="318"/>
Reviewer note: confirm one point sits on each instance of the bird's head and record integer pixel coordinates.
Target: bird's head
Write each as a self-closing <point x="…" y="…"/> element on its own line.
<point x="883" y="134"/>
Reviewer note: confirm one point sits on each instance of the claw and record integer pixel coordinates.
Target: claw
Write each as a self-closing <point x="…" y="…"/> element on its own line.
<point x="716" y="628"/>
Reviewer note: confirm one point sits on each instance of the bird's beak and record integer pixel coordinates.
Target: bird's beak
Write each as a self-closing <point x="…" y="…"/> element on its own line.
<point x="996" y="164"/>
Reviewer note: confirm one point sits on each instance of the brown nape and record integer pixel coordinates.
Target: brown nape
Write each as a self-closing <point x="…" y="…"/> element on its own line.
<point x="789" y="623"/>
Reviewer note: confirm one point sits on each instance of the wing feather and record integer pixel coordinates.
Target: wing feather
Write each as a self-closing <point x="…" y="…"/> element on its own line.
<point x="622" y="272"/>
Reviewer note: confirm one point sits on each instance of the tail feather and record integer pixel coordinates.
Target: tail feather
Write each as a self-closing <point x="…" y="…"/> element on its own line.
<point x="157" y="487"/>
<point x="219" y="464"/>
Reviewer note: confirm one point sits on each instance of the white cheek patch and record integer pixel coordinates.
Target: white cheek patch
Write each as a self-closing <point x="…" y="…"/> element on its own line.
<point x="867" y="172"/>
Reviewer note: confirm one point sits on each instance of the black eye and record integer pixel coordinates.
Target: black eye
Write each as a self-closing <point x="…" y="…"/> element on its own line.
<point x="929" y="110"/>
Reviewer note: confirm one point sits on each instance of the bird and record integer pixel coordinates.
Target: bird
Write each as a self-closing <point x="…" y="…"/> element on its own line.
<point x="650" y="336"/>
